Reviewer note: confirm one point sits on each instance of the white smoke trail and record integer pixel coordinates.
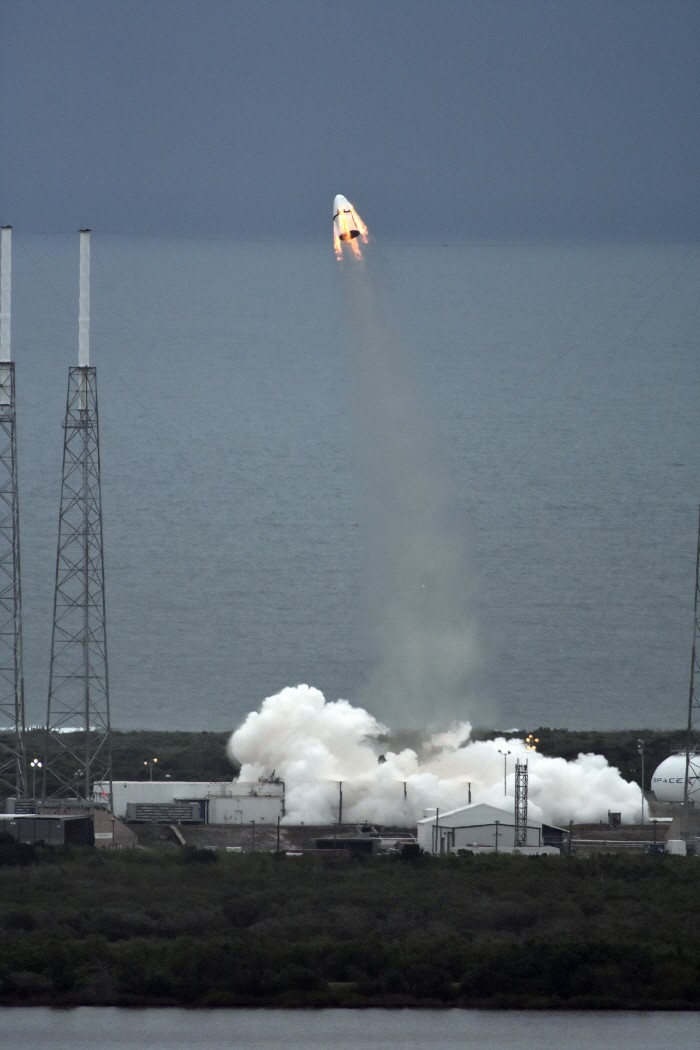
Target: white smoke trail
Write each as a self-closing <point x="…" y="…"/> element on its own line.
<point x="314" y="744"/>
<point x="421" y="637"/>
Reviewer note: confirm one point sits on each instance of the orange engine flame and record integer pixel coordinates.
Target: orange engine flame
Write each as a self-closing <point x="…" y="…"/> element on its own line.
<point x="349" y="229"/>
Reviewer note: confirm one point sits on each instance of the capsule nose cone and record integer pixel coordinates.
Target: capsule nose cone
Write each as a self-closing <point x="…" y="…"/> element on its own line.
<point x="340" y="203"/>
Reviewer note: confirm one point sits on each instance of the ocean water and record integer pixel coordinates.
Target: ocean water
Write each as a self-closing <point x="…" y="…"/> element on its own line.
<point x="450" y="482"/>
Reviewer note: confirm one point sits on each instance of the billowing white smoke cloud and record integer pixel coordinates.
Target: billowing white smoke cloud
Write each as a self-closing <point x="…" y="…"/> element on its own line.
<point x="313" y="745"/>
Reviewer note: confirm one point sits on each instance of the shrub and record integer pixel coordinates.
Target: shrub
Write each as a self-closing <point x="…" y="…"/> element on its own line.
<point x="16" y="854"/>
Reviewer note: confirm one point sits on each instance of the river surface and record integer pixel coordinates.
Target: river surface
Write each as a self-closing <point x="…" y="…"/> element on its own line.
<point x="172" y="1029"/>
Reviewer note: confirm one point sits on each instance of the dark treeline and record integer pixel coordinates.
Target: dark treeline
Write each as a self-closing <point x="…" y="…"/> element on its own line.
<point x="185" y="755"/>
<point x="180" y="755"/>
<point x="199" y="928"/>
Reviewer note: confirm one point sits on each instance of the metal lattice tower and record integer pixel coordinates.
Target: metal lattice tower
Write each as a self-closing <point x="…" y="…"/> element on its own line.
<point x="78" y="744"/>
<point x="692" y="746"/>
<point x="13" y="769"/>
<point x="520" y="803"/>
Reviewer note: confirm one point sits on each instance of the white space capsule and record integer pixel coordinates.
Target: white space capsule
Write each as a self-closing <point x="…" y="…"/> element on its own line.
<point x="347" y="224"/>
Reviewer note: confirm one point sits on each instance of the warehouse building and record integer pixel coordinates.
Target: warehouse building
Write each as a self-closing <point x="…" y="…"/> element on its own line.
<point x="481" y="828"/>
<point x="193" y="802"/>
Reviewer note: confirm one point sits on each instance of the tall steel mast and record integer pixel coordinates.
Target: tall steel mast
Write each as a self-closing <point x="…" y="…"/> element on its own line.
<point x="13" y="767"/>
<point x="692" y="755"/>
<point x="78" y="736"/>
<point x="520" y="803"/>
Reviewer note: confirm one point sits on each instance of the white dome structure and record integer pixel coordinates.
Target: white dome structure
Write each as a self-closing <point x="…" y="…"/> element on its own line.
<point x="668" y="780"/>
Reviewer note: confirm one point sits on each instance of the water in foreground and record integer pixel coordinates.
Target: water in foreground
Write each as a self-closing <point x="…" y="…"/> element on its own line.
<point x="172" y="1029"/>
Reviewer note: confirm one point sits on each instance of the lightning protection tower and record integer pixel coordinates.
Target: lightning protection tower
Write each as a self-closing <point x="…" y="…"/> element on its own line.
<point x="78" y="745"/>
<point x="520" y="803"/>
<point x="692" y="744"/>
<point x="13" y="770"/>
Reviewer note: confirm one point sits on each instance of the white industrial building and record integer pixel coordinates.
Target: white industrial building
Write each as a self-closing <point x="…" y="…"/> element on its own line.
<point x="483" y="828"/>
<point x="206" y="802"/>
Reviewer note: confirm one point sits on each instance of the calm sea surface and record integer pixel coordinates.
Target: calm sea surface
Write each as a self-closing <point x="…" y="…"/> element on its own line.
<point x="458" y="481"/>
<point x="117" y="1029"/>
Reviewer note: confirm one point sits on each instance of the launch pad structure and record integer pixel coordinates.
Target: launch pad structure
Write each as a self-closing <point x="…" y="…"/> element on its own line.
<point x="77" y="747"/>
<point x="78" y="732"/>
<point x="13" y="766"/>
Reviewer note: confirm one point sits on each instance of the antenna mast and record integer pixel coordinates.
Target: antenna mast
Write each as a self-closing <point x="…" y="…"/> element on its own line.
<point x="13" y="767"/>
<point x="692" y="757"/>
<point x="520" y="803"/>
<point x="78" y="734"/>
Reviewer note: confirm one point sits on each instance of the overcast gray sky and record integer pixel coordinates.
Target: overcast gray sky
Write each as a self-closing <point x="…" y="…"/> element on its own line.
<point x="454" y="118"/>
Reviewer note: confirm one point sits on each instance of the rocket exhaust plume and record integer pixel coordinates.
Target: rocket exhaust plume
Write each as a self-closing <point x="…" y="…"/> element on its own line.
<point x="425" y="656"/>
<point x="348" y="228"/>
<point x="313" y="744"/>
<point x="334" y="755"/>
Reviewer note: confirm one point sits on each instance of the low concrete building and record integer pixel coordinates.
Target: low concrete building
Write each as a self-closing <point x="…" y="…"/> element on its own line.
<point x="51" y="829"/>
<point x="479" y="828"/>
<point x="195" y="802"/>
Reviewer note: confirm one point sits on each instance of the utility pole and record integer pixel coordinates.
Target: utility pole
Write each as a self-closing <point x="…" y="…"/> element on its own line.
<point x="505" y="767"/>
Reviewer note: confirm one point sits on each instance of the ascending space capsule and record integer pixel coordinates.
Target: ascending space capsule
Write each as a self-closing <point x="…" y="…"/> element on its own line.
<point x="347" y="224"/>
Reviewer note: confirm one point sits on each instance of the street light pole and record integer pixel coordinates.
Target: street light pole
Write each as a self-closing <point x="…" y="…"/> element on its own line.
<point x="150" y="767"/>
<point x="640" y="748"/>
<point x="505" y="767"/>
<point x="35" y="764"/>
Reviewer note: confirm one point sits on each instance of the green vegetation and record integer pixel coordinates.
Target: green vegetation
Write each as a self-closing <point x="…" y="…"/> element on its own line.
<point x="180" y="755"/>
<point x="193" y="927"/>
<point x="203" y="929"/>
